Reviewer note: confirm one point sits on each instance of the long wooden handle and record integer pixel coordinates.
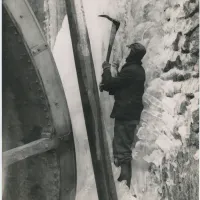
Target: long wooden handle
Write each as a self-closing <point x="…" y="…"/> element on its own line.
<point x="111" y="41"/>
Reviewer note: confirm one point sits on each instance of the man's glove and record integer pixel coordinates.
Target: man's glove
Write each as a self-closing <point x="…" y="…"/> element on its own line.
<point x="106" y="65"/>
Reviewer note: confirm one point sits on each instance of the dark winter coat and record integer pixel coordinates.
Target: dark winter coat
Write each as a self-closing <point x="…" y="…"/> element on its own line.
<point x="127" y="88"/>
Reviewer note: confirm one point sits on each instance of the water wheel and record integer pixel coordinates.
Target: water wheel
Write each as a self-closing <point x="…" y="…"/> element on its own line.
<point x="38" y="146"/>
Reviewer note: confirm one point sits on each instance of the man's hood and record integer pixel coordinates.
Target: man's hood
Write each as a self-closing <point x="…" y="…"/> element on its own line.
<point x="137" y="53"/>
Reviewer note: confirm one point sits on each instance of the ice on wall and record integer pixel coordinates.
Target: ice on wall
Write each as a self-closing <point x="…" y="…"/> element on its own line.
<point x="165" y="157"/>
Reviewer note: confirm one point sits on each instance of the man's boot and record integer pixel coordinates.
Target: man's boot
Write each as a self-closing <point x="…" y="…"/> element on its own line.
<point x="116" y="162"/>
<point x="126" y="173"/>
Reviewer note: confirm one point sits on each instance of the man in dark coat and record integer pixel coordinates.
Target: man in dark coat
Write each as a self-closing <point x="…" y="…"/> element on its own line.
<point x="128" y="89"/>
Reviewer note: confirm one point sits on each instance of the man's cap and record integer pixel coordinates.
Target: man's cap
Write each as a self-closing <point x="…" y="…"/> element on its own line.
<point x="137" y="48"/>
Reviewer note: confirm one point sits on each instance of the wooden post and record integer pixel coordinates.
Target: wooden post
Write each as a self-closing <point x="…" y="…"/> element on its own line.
<point x="90" y="101"/>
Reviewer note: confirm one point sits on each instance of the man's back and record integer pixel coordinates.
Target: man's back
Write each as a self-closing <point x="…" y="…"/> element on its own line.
<point x="128" y="89"/>
<point x="128" y="99"/>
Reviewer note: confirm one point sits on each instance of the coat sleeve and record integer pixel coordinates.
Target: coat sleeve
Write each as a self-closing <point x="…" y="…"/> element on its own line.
<point x="111" y="84"/>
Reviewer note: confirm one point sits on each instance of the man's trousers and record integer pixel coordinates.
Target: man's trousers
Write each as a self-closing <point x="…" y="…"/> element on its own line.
<point x="123" y="139"/>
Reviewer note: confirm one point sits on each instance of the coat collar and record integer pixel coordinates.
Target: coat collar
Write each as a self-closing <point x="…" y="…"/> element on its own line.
<point x="131" y="63"/>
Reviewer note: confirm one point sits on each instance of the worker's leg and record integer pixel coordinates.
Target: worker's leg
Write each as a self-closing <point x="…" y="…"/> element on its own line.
<point x="117" y="150"/>
<point x="122" y="143"/>
<point x="123" y="139"/>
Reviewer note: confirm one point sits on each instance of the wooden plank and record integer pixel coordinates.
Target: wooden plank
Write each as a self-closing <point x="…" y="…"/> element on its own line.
<point x="90" y="101"/>
<point x="20" y="153"/>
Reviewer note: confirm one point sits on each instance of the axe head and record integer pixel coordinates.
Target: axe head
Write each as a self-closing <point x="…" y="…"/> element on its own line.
<point x="115" y="27"/>
<point x="115" y="22"/>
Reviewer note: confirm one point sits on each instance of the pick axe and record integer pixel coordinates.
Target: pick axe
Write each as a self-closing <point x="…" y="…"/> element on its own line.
<point x="114" y="29"/>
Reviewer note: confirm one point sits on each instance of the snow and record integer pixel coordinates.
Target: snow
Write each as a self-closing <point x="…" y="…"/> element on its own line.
<point x="196" y="155"/>
<point x="184" y="132"/>
<point x="155" y="157"/>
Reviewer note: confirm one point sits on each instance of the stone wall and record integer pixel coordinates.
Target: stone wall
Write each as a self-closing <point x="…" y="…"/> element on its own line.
<point x="168" y="133"/>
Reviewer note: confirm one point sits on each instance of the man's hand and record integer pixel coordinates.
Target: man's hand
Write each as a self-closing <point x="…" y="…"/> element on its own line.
<point x="106" y="65"/>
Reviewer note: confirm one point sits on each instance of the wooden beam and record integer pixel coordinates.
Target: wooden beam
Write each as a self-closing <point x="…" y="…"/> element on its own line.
<point x="20" y="153"/>
<point x="90" y="101"/>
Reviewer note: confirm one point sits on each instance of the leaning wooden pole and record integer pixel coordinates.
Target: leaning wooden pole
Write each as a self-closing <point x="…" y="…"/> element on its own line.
<point x="90" y="101"/>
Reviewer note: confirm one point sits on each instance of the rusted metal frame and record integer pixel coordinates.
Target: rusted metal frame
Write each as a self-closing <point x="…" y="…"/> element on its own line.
<point x="90" y="101"/>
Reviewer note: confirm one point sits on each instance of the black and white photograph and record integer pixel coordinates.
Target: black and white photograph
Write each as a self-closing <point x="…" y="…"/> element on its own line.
<point x="100" y="100"/>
